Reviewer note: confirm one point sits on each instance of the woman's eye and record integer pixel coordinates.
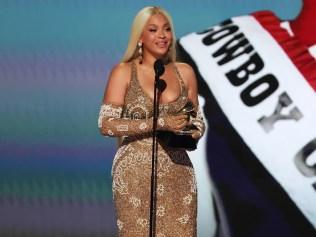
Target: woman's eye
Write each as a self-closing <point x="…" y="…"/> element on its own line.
<point x="168" y="29"/>
<point x="152" y="30"/>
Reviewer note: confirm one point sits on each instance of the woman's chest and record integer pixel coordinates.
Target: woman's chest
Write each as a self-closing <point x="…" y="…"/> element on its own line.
<point x="139" y="106"/>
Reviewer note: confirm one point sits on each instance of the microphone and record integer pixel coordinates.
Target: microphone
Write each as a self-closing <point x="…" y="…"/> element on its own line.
<point x="161" y="85"/>
<point x="159" y="68"/>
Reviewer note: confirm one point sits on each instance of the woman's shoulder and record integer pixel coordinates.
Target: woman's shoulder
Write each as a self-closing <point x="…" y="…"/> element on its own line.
<point x="117" y="83"/>
<point x="185" y="70"/>
<point x="183" y="65"/>
<point x="121" y="70"/>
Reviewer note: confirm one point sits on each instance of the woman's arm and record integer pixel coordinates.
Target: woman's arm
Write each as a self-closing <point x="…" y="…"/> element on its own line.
<point x="111" y="123"/>
<point x="190" y="82"/>
<point x="110" y="120"/>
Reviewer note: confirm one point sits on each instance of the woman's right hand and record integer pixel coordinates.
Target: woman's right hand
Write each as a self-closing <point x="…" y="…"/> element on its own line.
<point x="173" y="123"/>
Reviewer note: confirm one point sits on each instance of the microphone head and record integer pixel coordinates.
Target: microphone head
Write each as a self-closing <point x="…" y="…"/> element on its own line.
<point x="159" y="67"/>
<point x="161" y="85"/>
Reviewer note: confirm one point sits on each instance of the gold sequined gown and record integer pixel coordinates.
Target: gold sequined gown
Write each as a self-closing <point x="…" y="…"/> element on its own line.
<point x="176" y="208"/>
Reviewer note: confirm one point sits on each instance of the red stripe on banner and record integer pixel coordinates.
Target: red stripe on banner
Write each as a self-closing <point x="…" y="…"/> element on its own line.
<point x="292" y="46"/>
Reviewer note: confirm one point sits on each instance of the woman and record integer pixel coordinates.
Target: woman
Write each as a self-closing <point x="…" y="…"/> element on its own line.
<point x="127" y="112"/>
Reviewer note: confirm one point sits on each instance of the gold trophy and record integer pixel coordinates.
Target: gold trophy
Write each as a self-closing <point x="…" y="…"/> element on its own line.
<point x="188" y="109"/>
<point x="183" y="138"/>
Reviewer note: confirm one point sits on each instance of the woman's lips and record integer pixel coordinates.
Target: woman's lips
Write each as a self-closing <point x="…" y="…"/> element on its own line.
<point x="162" y="44"/>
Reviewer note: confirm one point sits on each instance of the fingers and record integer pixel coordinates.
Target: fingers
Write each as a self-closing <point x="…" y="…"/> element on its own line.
<point x="181" y="124"/>
<point x="174" y="123"/>
<point x="180" y="121"/>
<point x="196" y="135"/>
<point x="181" y="116"/>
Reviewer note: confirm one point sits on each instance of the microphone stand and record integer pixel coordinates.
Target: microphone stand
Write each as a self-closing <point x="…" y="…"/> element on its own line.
<point x="154" y="162"/>
<point x="153" y="197"/>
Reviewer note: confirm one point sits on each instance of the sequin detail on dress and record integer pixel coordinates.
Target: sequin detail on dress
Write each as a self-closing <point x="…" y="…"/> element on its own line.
<point x="131" y="171"/>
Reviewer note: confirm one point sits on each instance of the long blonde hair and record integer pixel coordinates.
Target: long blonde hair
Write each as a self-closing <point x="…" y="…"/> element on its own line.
<point x="138" y="26"/>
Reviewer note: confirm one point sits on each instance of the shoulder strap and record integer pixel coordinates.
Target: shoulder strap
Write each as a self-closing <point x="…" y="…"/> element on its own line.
<point x="179" y="78"/>
<point x="134" y="70"/>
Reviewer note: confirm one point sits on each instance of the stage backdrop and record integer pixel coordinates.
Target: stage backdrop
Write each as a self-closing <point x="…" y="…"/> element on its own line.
<point x="55" y="56"/>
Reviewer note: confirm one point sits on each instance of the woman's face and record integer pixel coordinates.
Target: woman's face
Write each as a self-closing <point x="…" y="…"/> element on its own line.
<point x="157" y="36"/>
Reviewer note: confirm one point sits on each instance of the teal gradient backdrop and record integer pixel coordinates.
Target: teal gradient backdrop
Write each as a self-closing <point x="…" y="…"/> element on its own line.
<point x="55" y="56"/>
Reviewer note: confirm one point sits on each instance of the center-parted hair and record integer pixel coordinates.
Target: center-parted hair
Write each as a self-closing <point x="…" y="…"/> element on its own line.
<point x="137" y="29"/>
